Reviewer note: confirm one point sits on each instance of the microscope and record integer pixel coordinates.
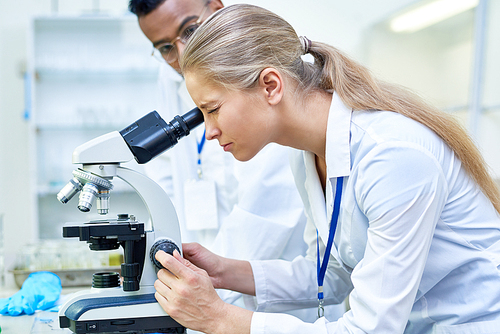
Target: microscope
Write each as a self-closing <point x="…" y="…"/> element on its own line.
<point x="130" y="308"/>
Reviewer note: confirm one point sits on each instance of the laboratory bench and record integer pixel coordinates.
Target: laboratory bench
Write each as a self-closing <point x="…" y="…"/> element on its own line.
<point x="39" y="323"/>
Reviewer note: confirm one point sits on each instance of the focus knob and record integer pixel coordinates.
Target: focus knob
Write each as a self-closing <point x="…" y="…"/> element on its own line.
<point x="105" y="280"/>
<point x="166" y="245"/>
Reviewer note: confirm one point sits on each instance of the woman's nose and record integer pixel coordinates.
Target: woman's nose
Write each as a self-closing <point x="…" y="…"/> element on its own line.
<point x="211" y="131"/>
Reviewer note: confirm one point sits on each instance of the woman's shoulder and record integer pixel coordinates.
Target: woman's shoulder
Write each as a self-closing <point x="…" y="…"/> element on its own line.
<point x="382" y="125"/>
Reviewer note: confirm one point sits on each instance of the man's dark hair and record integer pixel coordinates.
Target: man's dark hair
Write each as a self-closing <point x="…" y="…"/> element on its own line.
<point x="143" y="7"/>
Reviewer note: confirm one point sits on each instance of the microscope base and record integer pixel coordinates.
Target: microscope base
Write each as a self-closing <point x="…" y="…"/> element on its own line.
<point x="114" y="311"/>
<point x="163" y="324"/>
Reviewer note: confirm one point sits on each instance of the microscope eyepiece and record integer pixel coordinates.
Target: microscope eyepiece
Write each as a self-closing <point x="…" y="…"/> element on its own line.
<point x="147" y="137"/>
<point x="193" y="118"/>
<point x="150" y="135"/>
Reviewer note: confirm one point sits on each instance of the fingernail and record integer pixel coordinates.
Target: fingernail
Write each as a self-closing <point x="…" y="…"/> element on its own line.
<point x="158" y="252"/>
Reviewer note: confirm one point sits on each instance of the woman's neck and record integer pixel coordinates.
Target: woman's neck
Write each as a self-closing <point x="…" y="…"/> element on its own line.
<point x="304" y="123"/>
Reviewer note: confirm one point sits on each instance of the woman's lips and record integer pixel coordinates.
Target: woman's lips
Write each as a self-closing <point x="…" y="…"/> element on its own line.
<point x="227" y="147"/>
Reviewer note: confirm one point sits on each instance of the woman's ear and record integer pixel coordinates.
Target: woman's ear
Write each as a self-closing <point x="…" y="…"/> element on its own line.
<point x="271" y="85"/>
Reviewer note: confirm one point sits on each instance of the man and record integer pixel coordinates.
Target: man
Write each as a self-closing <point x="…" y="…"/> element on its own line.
<point x="246" y="211"/>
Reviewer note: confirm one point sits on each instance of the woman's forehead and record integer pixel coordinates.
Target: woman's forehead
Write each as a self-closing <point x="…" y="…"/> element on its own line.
<point x="200" y="88"/>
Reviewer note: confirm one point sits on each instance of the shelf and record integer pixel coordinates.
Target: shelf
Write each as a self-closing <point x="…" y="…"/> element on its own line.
<point x="88" y="76"/>
<point x="53" y="189"/>
<point x="58" y="21"/>
<point x="100" y="127"/>
<point x="146" y="73"/>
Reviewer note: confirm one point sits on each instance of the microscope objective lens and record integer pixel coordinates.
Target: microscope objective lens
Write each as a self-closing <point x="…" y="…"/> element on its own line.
<point x="89" y="192"/>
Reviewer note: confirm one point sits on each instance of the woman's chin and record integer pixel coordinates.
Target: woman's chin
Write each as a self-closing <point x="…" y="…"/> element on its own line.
<point x="242" y="157"/>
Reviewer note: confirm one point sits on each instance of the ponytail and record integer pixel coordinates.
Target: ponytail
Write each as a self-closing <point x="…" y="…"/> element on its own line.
<point x="359" y="90"/>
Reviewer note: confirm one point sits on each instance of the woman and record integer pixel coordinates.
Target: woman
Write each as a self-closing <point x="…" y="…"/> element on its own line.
<point x="398" y="198"/>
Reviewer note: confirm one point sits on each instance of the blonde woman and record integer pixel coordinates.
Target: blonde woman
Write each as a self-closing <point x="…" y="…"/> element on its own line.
<point x="402" y="213"/>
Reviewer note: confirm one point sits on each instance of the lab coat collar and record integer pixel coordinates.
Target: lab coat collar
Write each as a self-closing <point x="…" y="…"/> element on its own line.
<point x="168" y="72"/>
<point x="338" y="161"/>
<point x="338" y="153"/>
<point x="316" y="197"/>
<point x="338" y="164"/>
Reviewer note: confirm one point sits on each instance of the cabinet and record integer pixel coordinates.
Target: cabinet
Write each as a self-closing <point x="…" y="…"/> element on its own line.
<point x="87" y="75"/>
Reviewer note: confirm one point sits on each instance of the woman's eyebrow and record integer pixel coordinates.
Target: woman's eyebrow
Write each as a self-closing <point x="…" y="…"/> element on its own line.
<point x="206" y="104"/>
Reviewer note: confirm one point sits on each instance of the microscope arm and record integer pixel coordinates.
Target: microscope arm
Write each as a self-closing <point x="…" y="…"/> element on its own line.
<point x="160" y="207"/>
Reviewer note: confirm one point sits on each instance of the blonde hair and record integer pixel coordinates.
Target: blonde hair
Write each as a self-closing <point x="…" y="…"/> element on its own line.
<point x="236" y="43"/>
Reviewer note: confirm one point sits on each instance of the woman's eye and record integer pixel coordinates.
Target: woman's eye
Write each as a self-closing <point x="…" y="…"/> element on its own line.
<point x="213" y="110"/>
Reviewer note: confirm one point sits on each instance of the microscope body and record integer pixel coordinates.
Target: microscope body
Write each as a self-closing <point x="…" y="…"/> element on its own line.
<point x="131" y="308"/>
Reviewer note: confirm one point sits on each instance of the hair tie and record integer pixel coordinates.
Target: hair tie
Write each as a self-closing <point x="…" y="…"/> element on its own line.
<point x="306" y="44"/>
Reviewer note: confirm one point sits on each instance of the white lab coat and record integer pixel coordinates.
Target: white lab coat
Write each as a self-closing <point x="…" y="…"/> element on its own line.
<point x="417" y="241"/>
<point x="259" y="208"/>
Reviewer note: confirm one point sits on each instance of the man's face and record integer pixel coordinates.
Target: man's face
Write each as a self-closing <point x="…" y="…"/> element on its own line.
<point x="170" y="19"/>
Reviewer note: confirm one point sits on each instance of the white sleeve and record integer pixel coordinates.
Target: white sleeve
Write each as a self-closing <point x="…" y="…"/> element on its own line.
<point x="267" y="221"/>
<point x="287" y="324"/>
<point x="288" y="285"/>
<point x="402" y="192"/>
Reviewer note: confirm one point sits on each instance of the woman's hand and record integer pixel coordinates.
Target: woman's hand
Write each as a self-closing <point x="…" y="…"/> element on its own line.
<point x="205" y="259"/>
<point x="230" y="274"/>
<point x="187" y="294"/>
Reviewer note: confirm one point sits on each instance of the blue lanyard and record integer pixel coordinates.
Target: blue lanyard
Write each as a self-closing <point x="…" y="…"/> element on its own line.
<point x="200" y="148"/>
<point x="333" y="226"/>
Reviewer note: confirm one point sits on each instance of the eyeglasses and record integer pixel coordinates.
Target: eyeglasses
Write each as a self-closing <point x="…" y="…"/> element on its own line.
<point x="168" y="51"/>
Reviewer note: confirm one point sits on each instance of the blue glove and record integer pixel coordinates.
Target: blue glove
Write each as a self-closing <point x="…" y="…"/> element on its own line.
<point x="40" y="291"/>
